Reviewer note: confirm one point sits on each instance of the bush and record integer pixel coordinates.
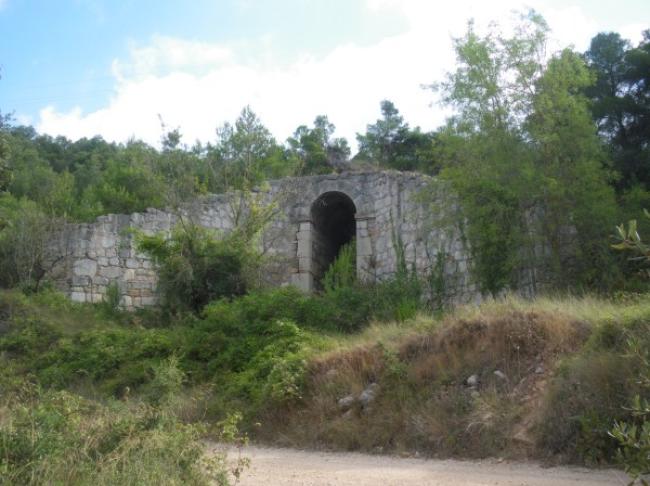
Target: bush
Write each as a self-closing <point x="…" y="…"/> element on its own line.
<point x="28" y="239"/>
<point x="56" y="437"/>
<point x="195" y="267"/>
<point x="593" y="391"/>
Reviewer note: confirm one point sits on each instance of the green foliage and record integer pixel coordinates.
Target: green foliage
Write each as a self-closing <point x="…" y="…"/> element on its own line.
<point x="343" y="270"/>
<point x="593" y="392"/>
<point x="620" y="103"/>
<point x="352" y="304"/>
<point x="524" y="159"/>
<point x="245" y="155"/>
<point x="390" y="143"/>
<point x="59" y="437"/>
<point x="631" y="431"/>
<point x="628" y="239"/>
<point x="317" y="150"/>
<point x="5" y="171"/>
<point x="196" y="267"/>
<point x="28" y="238"/>
<point x="633" y="439"/>
<point x="90" y="177"/>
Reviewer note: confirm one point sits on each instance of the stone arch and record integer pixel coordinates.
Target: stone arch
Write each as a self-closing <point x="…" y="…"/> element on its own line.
<point x="333" y="217"/>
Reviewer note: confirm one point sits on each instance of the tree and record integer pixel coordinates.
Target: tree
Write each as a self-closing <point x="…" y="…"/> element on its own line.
<point x="391" y="143"/>
<point x="483" y="147"/>
<point x="523" y="157"/>
<point x="195" y="267"/>
<point x="573" y="187"/>
<point x="493" y="84"/>
<point x="31" y="243"/>
<point x="245" y="154"/>
<point x="5" y="171"/>
<point x="316" y="148"/>
<point x="621" y="103"/>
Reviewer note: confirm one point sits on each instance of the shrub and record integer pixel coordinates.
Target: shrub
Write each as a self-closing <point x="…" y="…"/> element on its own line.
<point x="343" y="270"/>
<point x="592" y="392"/>
<point x="28" y="240"/>
<point x="195" y="267"/>
<point x="55" y="437"/>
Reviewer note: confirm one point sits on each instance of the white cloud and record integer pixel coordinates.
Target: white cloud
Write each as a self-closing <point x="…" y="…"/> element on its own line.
<point x="168" y="54"/>
<point x="632" y="32"/>
<point x="197" y="86"/>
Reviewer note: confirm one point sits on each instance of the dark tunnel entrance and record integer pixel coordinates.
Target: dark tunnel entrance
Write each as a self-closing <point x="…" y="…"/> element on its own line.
<point x="334" y="225"/>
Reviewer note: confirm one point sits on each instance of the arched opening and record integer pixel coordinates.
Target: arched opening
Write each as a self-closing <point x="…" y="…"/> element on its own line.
<point x="334" y="225"/>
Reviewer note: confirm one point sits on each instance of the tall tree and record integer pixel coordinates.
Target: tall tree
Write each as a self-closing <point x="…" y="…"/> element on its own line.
<point x="389" y="142"/>
<point x="573" y="187"/>
<point x="5" y="172"/>
<point x="621" y="103"/>
<point x="483" y="146"/>
<point x="521" y="152"/>
<point x="245" y="154"/>
<point x="317" y="149"/>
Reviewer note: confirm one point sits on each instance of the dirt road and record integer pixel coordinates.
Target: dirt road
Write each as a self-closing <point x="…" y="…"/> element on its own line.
<point x="281" y="467"/>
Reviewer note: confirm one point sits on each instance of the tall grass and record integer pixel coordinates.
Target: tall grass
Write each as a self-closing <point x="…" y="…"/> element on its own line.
<point x="58" y="437"/>
<point x="563" y="380"/>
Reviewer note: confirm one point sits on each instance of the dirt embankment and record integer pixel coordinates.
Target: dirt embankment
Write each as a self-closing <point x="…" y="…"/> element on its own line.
<point x="282" y="467"/>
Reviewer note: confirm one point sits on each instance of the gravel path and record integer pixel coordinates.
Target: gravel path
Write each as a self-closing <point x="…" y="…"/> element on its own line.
<point x="280" y="467"/>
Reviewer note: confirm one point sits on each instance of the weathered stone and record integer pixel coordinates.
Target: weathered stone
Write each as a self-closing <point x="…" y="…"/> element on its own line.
<point x="85" y="267"/>
<point x="78" y="297"/>
<point x="369" y="394"/>
<point x="110" y="272"/>
<point x="132" y="263"/>
<point x="346" y="402"/>
<point x="501" y="375"/>
<point x="472" y="381"/>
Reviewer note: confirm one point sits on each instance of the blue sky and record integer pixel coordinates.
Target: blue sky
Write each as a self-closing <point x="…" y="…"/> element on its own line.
<point x="82" y="67"/>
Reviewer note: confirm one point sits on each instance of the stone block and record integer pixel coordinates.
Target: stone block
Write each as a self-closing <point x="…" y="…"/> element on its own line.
<point x="80" y="281"/>
<point x="364" y="246"/>
<point x="304" y="264"/>
<point x="304" y="248"/>
<point x="148" y="301"/>
<point x="85" y="267"/>
<point x="302" y="281"/>
<point x="78" y="297"/>
<point x="110" y="272"/>
<point x="132" y="263"/>
<point x="96" y="297"/>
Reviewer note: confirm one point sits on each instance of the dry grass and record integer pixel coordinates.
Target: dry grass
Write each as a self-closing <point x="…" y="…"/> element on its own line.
<point x="421" y="365"/>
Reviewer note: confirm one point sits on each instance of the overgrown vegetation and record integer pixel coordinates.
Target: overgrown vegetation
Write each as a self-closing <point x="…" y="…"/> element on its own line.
<point x="553" y="378"/>
<point x="544" y="155"/>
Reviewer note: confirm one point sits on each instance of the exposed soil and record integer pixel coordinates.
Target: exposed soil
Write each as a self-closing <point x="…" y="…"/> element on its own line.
<point x="280" y="467"/>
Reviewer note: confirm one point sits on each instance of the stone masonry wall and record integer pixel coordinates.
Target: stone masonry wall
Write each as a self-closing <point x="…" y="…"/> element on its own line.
<point x="390" y="219"/>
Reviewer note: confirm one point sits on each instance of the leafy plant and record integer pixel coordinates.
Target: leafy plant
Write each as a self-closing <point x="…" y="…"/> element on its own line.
<point x="196" y="267"/>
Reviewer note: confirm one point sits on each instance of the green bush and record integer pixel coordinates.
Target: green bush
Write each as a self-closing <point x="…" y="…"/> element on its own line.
<point x="196" y="267"/>
<point x="592" y="392"/>
<point x="55" y="437"/>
